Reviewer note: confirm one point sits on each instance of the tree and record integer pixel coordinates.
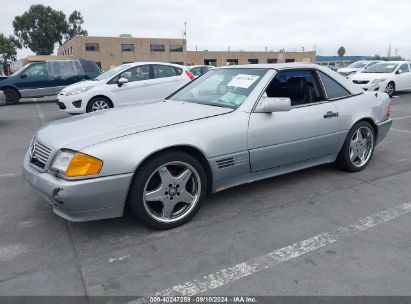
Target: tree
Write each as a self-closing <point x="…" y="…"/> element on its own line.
<point x="341" y="52"/>
<point x="40" y="28"/>
<point x="8" y="48"/>
<point x="75" y="22"/>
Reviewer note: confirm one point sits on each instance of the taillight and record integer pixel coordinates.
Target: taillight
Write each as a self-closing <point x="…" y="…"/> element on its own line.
<point x="191" y="76"/>
<point x="389" y="110"/>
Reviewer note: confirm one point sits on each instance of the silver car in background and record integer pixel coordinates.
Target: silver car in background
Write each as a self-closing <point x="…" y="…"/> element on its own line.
<point x="233" y="125"/>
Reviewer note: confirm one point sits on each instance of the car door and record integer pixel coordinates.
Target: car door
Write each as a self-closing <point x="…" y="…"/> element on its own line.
<point x="403" y="75"/>
<point x="34" y="81"/>
<point x="138" y="89"/>
<point x="167" y="79"/>
<point x="310" y="130"/>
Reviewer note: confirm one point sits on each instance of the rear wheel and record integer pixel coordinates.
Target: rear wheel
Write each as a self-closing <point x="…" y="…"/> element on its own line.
<point x="167" y="190"/>
<point x="390" y="89"/>
<point x="358" y="148"/>
<point x="12" y="96"/>
<point x="98" y="103"/>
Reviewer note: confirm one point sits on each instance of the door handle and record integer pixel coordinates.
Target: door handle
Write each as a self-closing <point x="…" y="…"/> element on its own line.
<point x="330" y="114"/>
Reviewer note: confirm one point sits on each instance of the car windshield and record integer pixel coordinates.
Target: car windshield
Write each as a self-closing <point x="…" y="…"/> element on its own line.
<point x="221" y="87"/>
<point x="357" y="65"/>
<point x="113" y="71"/>
<point x="381" y="68"/>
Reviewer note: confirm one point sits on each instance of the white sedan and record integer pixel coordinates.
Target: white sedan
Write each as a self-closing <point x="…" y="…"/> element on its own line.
<point x="389" y="77"/>
<point x="126" y="84"/>
<point x="357" y="67"/>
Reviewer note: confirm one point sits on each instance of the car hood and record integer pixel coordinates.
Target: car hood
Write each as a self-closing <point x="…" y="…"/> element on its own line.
<point x="81" y="131"/>
<point x="347" y="70"/>
<point x="370" y="76"/>
<point x="81" y="84"/>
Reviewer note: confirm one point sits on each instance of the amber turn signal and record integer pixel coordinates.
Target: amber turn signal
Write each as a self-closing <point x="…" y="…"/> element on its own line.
<point x="389" y="110"/>
<point x="83" y="165"/>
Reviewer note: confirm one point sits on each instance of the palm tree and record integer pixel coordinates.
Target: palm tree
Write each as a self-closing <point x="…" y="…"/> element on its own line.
<point x="341" y="53"/>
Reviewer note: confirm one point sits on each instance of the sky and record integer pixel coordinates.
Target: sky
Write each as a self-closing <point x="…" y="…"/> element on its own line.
<point x="364" y="27"/>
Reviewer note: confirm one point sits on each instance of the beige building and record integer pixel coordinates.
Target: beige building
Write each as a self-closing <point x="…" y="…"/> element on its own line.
<point x="108" y="52"/>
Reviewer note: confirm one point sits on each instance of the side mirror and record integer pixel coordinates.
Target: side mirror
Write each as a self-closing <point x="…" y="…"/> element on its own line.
<point x="273" y="104"/>
<point x="398" y="72"/>
<point x="122" y="81"/>
<point x="24" y="75"/>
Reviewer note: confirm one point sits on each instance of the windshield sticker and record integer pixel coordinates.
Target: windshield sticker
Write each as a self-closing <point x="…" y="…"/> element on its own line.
<point x="389" y="66"/>
<point x="243" y="81"/>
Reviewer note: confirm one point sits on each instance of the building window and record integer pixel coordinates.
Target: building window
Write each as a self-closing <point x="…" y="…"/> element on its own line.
<point x="212" y="62"/>
<point x="92" y="47"/>
<point x="127" y="47"/>
<point x="232" y="61"/>
<point x="157" y="48"/>
<point x="252" y="61"/>
<point x="71" y="50"/>
<point x="289" y="60"/>
<point x="271" y="60"/>
<point x="176" y="48"/>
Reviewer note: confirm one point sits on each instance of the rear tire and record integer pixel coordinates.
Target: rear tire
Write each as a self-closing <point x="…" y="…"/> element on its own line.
<point x="358" y="148"/>
<point x="12" y="96"/>
<point x="167" y="190"/>
<point x="98" y="103"/>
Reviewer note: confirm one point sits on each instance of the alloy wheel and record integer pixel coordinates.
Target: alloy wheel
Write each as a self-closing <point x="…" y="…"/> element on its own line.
<point x="361" y="146"/>
<point x="99" y="105"/>
<point x="171" y="191"/>
<point x="390" y="89"/>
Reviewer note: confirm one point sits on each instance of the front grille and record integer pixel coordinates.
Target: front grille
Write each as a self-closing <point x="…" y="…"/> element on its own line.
<point x="39" y="154"/>
<point x="361" y="81"/>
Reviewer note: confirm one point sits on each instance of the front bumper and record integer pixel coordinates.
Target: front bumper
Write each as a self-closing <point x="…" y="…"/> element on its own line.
<point x="382" y="130"/>
<point x="67" y="103"/>
<point x="81" y="200"/>
<point x="377" y="87"/>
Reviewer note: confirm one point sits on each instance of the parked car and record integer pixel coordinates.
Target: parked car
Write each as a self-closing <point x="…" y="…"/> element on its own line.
<point x="389" y="77"/>
<point x="198" y="70"/>
<point x="2" y="98"/>
<point x="161" y="159"/>
<point x="356" y="67"/>
<point x="126" y="84"/>
<point x="46" y="78"/>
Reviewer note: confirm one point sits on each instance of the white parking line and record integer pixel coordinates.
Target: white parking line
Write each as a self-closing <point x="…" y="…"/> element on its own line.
<point x="402" y="117"/>
<point x="399" y="130"/>
<point x="40" y="113"/>
<point x="227" y="275"/>
<point x="9" y="174"/>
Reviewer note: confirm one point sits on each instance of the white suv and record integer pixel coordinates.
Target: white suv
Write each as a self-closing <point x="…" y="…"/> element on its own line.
<point x="126" y="84"/>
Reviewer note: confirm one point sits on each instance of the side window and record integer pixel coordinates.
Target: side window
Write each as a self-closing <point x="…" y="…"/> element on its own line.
<point x="37" y="70"/>
<point x="301" y="86"/>
<point x="64" y="68"/>
<point x="404" y="68"/>
<point x="196" y="71"/>
<point x="332" y="88"/>
<point x="161" y="71"/>
<point x="137" y="73"/>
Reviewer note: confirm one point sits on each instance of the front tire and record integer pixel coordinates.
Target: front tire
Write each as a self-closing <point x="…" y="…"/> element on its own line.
<point x="390" y="89"/>
<point x="98" y="103"/>
<point x="358" y="148"/>
<point x="167" y="190"/>
<point x="12" y="96"/>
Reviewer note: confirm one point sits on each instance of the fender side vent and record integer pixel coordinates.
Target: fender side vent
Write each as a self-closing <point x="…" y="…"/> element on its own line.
<point x="225" y="163"/>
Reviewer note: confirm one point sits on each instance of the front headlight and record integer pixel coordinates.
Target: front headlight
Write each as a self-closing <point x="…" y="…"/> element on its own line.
<point x="375" y="81"/>
<point x="79" y="90"/>
<point x="76" y="164"/>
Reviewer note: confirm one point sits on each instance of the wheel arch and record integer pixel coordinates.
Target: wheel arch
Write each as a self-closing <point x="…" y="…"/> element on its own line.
<point x="191" y="150"/>
<point x="7" y="86"/>
<point x="100" y="95"/>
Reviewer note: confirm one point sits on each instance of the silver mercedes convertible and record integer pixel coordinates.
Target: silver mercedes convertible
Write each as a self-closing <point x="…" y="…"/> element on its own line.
<point x="231" y="126"/>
